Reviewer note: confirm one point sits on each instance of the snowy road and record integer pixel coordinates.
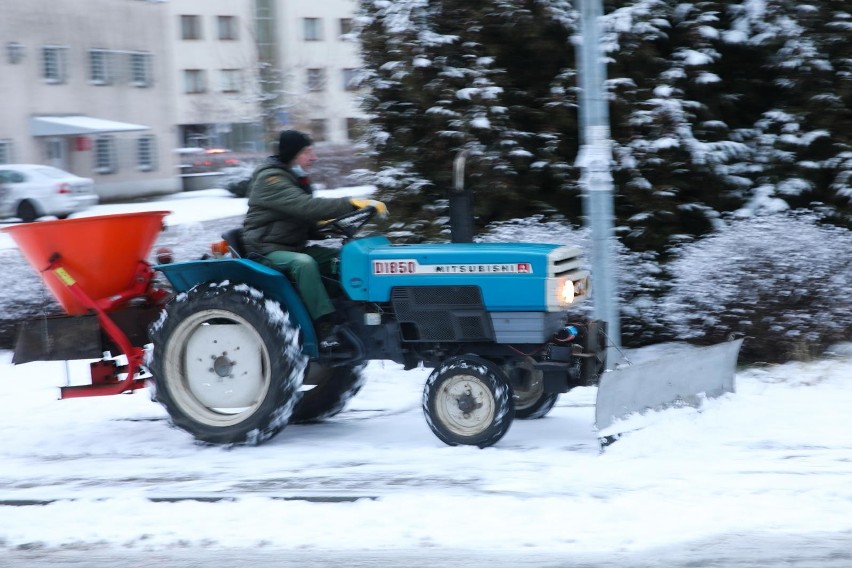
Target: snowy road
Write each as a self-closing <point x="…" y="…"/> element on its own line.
<point x="723" y="551"/>
<point x="744" y="477"/>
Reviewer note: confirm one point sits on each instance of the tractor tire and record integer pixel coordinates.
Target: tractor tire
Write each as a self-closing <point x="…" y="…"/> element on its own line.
<point x="533" y="408"/>
<point x="226" y="364"/>
<point x="332" y="388"/>
<point x="27" y="212"/>
<point x="531" y="402"/>
<point x="467" y="400"/>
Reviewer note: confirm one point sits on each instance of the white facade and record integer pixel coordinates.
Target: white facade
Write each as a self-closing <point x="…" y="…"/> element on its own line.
<point x="319" y="60"/>
<point x="85" y="87"/>
<point x="316" y="62"/>
<point x="109" y="89"/>
<point x="213" y="66"/>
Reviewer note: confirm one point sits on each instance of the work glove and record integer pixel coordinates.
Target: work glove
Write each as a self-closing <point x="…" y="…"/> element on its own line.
<point x="381" y="208"/>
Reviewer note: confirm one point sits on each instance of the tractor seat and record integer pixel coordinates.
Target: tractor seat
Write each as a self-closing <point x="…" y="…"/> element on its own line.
<point x="234" y="238"/>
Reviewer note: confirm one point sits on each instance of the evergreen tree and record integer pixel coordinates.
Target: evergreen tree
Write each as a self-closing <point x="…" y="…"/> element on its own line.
<point x="717" y="106"/>
<point x="488" y="78"/>
<point x="672" y="145"/>
<point x="802" y="140"/>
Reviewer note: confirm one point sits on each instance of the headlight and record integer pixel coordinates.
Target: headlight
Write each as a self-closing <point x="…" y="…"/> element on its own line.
<point x="567" y="292"/>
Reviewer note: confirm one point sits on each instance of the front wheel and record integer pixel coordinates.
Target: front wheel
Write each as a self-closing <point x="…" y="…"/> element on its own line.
<point x="227" y="364"/>
<point x="467" y="400"/>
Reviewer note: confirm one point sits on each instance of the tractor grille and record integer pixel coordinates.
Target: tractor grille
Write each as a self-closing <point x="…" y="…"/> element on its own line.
<point x="566" y="260"/>
<point x="441" y="313"/>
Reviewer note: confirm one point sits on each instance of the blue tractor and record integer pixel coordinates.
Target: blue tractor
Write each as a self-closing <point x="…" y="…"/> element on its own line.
<point x="235" y="357"/>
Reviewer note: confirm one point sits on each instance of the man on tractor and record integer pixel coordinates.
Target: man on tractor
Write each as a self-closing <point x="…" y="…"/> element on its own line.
<point x="283" y="215"/>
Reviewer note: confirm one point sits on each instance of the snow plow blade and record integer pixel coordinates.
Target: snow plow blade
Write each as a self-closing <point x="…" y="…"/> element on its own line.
<point x="676" y="380"/>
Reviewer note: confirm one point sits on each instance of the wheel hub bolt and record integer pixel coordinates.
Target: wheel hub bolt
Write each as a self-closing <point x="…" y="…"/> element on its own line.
<point x="222" y="366"/>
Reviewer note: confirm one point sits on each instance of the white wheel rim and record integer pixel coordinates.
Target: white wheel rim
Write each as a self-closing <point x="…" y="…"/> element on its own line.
<point x="218" y="368"/>
<point x="465" y="405"/>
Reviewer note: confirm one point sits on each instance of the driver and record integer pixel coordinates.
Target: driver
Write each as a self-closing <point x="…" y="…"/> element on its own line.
<point x="283" y="215"/>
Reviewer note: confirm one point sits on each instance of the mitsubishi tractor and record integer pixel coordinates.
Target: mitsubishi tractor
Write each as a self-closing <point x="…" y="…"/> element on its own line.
<point x="226" y="344"/>
<point x="235" y="356"/>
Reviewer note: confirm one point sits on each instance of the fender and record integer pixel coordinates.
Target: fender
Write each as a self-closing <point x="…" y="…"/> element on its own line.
<point x="184" y="276"/>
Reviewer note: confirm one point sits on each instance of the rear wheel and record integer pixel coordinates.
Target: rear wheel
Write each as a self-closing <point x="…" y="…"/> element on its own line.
<point x="537" y="407"/>
<point x="330" y="389"/>
<point x="531" y="402"/>
<point x="227" y="364"/>
<point x="468" y="400"/>
<point x="27" y="211"/>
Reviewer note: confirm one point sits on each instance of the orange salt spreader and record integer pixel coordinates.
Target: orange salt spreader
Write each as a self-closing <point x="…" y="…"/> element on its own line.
<point x="96" y="269"/>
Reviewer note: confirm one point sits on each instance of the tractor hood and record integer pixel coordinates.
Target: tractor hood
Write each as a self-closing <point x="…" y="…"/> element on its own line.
<point x="511" y="276"/>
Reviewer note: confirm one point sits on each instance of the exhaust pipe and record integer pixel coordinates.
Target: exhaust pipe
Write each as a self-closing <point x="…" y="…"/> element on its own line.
<point x="461" y="203"/>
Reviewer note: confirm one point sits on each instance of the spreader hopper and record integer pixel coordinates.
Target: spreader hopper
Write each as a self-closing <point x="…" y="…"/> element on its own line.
<point x="96" y="269"/>
<point x="101" y="254"/>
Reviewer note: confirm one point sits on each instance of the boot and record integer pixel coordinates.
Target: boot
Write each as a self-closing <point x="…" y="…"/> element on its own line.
<point x="328" y="340"/>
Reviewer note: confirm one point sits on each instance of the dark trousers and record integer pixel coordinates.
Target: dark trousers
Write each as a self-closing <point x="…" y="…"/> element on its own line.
<point x="307" y="268"/>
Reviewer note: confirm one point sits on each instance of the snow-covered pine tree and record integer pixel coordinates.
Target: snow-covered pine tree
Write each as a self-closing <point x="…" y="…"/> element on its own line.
<point x="488" y="77"/>
<point x="717" y="106"/>
<point x="673" y="151"/>
<point x="802" y="139"/>
<point x="531" y="41"/>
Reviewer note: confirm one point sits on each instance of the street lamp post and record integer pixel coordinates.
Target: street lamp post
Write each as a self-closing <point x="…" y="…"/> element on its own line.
<point x="595" y="161"/>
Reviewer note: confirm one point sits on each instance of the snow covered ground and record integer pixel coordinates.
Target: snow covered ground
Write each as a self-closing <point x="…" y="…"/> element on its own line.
<point x="774" y="459"/>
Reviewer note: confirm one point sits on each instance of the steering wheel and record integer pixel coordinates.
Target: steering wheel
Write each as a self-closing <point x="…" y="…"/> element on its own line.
<point x="350" y="224"/>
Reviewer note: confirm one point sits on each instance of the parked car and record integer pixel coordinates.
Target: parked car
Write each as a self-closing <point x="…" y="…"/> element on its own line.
<point x="206" y="160"/>
<point x="30" y="191"/>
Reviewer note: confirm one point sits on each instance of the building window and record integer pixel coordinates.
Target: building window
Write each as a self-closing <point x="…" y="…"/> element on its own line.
<point x="313" y="29"/>
<point x="345" y="27"/>
<point x="5" y="151"/>
<point x="194" y="81"/>
<point x="316" y="79"/>
<point x="227" y="26"/>
<point x="232" y="80"/>
<point x="14" y="52"/>
<point x="264" y="29"/>
<point x="146" y="153"/>
<point x="54" y="150"/>
<point x="351" y="80"/>
<point x="190" y="27"/>
<point x="100" y="67"/>
<point x="105" y="161"/>
<point x="354" y="128"/>
<point x="264" y="9"/>
<point x="54" y="63"/>
<point x="140" y="69"/>
<point x="318" y="129"/>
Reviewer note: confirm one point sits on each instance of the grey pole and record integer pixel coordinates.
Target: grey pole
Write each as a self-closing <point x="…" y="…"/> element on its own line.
<point x="595" y="161"/>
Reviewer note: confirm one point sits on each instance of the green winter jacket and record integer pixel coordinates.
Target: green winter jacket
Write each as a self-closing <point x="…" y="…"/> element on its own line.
<point x="282" y="211"/>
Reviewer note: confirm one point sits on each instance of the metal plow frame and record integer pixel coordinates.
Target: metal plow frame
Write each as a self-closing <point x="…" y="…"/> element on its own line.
<point x="676" y="380"/>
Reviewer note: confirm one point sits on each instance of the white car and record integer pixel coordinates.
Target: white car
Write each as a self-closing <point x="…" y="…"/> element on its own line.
<point x="30" y="191"/>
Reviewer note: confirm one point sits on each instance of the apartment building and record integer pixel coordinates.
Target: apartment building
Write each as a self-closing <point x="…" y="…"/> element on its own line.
<point x="246" y="68"/>
<point x="110" y="89"/>
<point x="320" y="61"/>
<point x="213" y="65"/>
<point x="84" y="86"/>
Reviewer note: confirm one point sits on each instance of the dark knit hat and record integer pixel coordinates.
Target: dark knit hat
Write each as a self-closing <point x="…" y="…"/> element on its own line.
<point x="290" y="143"/>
